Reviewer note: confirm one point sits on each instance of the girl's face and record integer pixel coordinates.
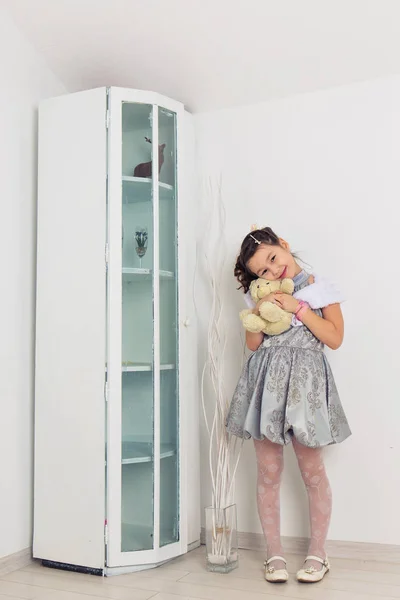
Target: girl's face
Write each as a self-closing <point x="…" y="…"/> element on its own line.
<point x="274" y="262"/>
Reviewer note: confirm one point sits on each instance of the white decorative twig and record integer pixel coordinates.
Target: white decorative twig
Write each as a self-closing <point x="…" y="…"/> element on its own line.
<point x="224" y="449"/>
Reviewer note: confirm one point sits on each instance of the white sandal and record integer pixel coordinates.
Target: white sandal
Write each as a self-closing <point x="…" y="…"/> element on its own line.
<point x="275" y="575"/>
<point x="311" y="575"/>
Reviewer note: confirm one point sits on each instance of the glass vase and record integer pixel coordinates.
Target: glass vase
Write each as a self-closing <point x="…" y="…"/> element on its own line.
<point x="221" y="539"/>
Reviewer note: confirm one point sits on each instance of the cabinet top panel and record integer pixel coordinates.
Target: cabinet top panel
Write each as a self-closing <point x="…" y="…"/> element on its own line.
<point x="123" y="95"/>
<point x="144" y="97"/>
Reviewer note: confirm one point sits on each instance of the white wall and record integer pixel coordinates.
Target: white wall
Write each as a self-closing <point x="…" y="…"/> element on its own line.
<point x="24" y="82"/>
<point x="323" y="170"/>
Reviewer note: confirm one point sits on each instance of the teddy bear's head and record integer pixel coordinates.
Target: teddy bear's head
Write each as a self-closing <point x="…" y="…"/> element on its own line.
<point x="259" y="288"/>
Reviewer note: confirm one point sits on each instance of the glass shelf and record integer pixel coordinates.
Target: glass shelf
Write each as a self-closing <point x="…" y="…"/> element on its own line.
<point x="142" y="452"/>
<point x="144" y="367"/>
<point x="138" y="189"/>
<point x="141" y="367"/>
<point x="132" y="273"/>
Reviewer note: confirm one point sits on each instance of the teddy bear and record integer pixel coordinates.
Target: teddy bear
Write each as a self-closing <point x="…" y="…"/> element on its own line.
<point x="273" y="320"/>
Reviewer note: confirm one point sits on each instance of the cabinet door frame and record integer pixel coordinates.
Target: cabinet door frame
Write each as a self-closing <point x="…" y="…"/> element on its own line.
<point x="114" y="557"/>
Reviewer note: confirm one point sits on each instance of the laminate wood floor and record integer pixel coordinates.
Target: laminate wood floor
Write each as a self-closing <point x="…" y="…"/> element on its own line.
<point x="186" y="577"/>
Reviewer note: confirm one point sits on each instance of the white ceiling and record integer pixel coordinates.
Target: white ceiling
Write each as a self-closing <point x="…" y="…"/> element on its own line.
<point x="213" y="53"/>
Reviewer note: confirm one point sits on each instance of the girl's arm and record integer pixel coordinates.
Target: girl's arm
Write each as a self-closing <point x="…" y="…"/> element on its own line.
<point x="329" y="329"/>
<point x="254" y="340"/>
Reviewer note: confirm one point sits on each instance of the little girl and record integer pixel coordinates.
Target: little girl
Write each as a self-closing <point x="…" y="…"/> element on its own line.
<point x="287" y="393"/>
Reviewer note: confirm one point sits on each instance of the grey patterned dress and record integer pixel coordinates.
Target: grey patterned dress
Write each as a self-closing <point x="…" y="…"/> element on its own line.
<point x="287" y="389"/>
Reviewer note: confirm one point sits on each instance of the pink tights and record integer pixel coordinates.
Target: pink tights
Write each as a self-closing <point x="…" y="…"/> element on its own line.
<point x="270" y="467"/>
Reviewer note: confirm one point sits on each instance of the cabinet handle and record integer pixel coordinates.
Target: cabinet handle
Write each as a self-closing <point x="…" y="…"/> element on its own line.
<point x="186" y="322"/>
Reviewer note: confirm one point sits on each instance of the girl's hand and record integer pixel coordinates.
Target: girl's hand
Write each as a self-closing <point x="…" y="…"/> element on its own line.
<point x="286" y="302"/>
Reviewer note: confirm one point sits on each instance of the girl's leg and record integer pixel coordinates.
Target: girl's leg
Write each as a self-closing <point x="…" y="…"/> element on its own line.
<point x="319" y="498"/>
<point x="270" y="466"/>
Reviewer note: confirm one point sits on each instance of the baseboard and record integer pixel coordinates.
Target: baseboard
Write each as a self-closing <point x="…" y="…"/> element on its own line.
<point x="16" y="561"/>
<point x="193" y="545"/>
<point x="335" y="549"/>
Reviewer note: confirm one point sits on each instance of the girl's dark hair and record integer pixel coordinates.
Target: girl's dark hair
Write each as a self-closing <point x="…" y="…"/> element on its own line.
<point x="248" y="249"/>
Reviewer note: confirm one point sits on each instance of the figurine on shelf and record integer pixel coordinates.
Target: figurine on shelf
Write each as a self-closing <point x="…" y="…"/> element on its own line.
<point x="146" y="169"/>
<point x="141" y="237"/>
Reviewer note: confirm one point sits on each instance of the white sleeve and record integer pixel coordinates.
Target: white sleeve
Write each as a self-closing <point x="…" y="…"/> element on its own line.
<point x="320" y="294"/>
<point x="249" y="301"/>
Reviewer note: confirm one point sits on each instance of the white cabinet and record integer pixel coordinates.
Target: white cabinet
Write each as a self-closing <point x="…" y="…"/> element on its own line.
<point x="116" y="415"/>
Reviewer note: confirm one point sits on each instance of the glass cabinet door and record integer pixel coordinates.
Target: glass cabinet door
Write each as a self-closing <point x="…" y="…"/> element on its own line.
<point x="137" y="411"/>
<point x="149" y="370"/>
<point x="168" y="281"/>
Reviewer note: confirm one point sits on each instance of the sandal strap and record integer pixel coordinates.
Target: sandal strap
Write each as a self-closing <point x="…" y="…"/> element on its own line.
<point x="323" y="561"/>
<point x="275" y="558"/>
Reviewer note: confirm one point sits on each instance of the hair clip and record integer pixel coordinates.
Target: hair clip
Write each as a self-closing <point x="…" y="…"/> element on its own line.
<point x="256" y="241"/>
<point x="254" y="227"/>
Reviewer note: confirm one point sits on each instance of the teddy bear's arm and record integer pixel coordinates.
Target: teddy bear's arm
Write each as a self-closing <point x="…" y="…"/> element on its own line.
<point x="271" y="312"/>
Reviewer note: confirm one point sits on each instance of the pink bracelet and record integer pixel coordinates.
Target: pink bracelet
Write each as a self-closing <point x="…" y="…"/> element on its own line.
<point x="301" y="309"/>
